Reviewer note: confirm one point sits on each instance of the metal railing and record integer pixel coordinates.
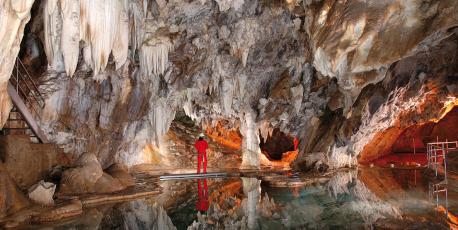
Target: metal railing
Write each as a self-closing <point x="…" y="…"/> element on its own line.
<point x="28" y="104"/>
<point x="434" y="190"/>
<point x="26" y="87"/>
<point x="436" y="154"/>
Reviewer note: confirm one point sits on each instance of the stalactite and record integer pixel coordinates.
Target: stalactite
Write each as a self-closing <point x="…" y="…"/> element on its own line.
<point x="120" y="48"/>
<point x="154" y="55"/>
<point x="161" y="118"/>
<point x="53" y="30"/>
<point x="71" y="30"/>
<point x="227" y="96"/>
<point x="136" y="30"/>
<point x="102" y="25"/>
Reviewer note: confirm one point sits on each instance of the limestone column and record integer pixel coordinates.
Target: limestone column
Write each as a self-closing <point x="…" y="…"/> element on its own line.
<point x="251" y="149"/>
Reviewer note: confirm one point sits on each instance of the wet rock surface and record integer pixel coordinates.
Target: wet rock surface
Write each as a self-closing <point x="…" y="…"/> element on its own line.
<point x="83" y="177"/>
<point x="27" y="162"/>
<point x="87" y="176"/>
<point x="11" y="198"/>
<point x="121" y="173"/>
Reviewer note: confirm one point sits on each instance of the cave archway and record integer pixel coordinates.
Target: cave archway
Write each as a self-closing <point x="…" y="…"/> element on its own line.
<point x="404" y="146"/>
<point x="275" y="145"/>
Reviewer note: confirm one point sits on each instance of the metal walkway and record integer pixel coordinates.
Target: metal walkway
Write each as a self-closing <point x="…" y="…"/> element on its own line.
<point x="28" y="103"/>
<point x="192" y="176"/>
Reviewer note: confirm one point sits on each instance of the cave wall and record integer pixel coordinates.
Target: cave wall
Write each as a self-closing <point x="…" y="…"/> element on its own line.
<point x="427" y="82"/>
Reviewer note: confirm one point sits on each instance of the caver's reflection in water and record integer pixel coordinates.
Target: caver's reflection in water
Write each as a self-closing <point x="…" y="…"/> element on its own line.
<point x="202" y="189"/>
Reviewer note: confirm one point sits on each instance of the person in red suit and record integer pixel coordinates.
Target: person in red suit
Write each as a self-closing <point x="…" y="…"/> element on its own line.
<point x="296" y="143"/>
<point x="201" y="147"/>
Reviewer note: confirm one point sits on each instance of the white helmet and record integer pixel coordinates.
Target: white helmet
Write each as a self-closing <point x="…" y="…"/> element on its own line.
<point x="201" y="135"/>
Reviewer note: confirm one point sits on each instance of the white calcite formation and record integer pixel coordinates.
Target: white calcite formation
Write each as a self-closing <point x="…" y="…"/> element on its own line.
<point x="104" y="28"/>
<point x="42" y="193"/>
<point x="14" y="15"/>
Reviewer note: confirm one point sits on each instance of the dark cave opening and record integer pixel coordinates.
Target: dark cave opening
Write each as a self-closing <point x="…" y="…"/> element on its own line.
<point x="276" y="144"/>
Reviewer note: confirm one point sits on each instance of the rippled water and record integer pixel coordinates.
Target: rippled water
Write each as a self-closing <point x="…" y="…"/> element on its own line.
<point x="348" y="200"/>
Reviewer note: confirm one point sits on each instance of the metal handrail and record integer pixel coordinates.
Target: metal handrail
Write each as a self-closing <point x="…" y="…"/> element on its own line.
<point x="437" y="150"/>
<point x="23" y="79"/>
<point x="444" y="142"/>
<point x="35" y="87"/>
<point x="30" y="90"/>
<point x="26" y="87"/>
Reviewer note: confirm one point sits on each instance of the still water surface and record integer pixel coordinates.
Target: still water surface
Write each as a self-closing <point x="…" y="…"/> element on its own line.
<point x="363" y="199"/>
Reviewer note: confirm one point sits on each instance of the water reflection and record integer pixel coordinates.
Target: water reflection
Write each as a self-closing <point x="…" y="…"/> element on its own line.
<point x="252" y="192"/>
<point x="202" y="191"/>
<point x="348" y="200"/>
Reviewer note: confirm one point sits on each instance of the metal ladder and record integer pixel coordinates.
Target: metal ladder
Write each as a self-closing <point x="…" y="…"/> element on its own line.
<point x="28" y="103"/>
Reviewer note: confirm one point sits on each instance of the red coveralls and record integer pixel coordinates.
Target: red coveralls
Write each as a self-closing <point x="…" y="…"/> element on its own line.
<point x="296" y="143"/>
<point x="202" y="203"/>
<point x="201" y="146"/>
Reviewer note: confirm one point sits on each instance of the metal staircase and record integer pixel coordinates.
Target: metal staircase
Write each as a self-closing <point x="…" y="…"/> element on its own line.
<point x="28" y="103"/>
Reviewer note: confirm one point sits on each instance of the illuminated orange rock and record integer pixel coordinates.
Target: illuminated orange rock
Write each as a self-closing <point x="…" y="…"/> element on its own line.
<point x="220" y="133"/>
<point x="397" y="145"/>
<point x="285" y="162"/>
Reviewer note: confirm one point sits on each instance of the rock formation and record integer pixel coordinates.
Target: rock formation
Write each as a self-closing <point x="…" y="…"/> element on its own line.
<point x="336" y="74"/>
<point x="11" y="199"/>
<point x="87" y="176"/>
<point x="42" y="193"/>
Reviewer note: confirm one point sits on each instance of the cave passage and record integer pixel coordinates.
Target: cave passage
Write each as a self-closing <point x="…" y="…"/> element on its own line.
<point x="409" y="145"/>
<point x="275" y="145"/>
